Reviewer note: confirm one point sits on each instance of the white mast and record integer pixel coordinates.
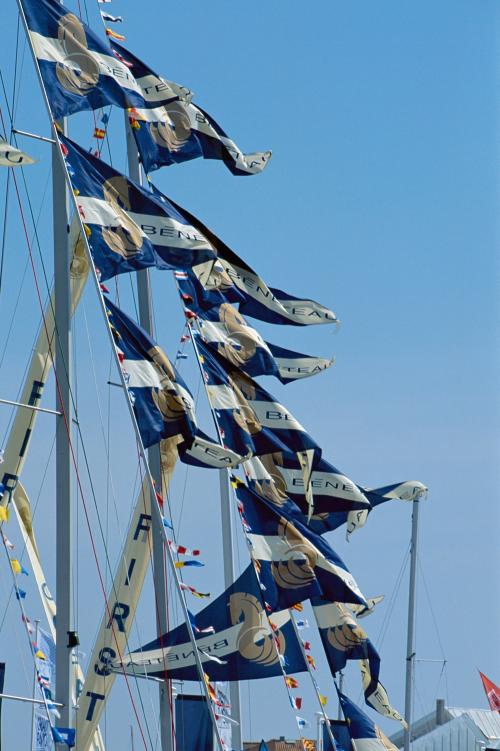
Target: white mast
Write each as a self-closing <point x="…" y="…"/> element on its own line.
<point x="410" y="653"/>
<point x="64" y="503"/>
<point x="154" y="461"/>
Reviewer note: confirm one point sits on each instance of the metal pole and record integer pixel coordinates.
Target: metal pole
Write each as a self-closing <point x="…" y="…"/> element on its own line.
<point x="319" y="731"/>
<point x="28" y="699"/>
<point x="37" y="626"/>
<point x="410" y="654"/>
<point x="154" y="461"/>
<point x="64" y="504"/>
<point x="229" y="573"/>
<point x="341" y="689"/>
<point x="30" y="406"/>
<point x="229" y="578"/>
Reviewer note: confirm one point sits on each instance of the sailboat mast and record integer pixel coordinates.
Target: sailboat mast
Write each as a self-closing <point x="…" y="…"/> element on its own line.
<point x="154" y="461"/>
<point x="410" y="653"/>
<point x="229" y="579"/>
<point x="64" y="501"/>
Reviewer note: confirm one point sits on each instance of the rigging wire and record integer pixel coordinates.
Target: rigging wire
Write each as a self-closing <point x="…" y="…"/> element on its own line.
<point x="392" y="600"/>
<point x="33" y="515"/>
<point x="4" y="230"/>
<point x="57" y="386"/>
<point x="67" y="427"/>
<point x="444" y="671"/>
<point x="21" y="284"/>
<point x="25" y="620"/>
<point x="72" y="398"/>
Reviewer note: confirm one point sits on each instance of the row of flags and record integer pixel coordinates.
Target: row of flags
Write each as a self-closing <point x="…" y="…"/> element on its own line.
<point x="130" y="228"/>
<point x="168" y="127"/>
<point x="310" y="568"/>
<point x="43" y="653"/>
<point x="292" y="494"/>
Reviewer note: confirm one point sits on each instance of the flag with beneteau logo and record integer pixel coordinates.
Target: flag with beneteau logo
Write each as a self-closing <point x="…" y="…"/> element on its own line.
<point x="234" y="640"/>
<point x="226" y="331"/>
<point x="250" y="420"/>
<point x="364" y="734"/>
<point x="162" y="403"/>
<point x="230" y="279"/>
<point x="294" y="564"/>
<point x="343" y="639"/>
<point x="128" y="227"/>
<point x="79" y="70"/>
<point x="279" y="475"/>
<point x="409" y="490"/>
<point x="179" y="130"/>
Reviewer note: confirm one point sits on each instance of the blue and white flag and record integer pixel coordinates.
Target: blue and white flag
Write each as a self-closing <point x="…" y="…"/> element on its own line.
<point x="410" y="490"/>
<point x="250" y="420"/>
<point x="162" y="403"/>
<point x="79" y="70"/>
<point x="294" y="563"/>
<point x="46" y="675"/>
<point x="231" y="279"/>
<point x="178" y="131"/>
<point x="344" y="639"/>
<point x="64" y="735"/>
<point x="205" y="453"/>
<point x="128" y="227"/>
<point x="240" y="647"/>
<point x="279" y="475"/>
<point x="364" y="734"/>
<point x="226" y="331"/>
<point x="12" y="157"/>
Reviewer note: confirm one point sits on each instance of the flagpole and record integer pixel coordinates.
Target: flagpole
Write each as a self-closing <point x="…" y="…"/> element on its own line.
<point x="341" y="689"/>
<point x="410" y="643"/>
<point x="154" y="460"/>
<point x="64" y="501"/>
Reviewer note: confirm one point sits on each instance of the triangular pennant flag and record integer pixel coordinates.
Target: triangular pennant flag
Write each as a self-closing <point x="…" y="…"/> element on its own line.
<point x="492" y="692"/>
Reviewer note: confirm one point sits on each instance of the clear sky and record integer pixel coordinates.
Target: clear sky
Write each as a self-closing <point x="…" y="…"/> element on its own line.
<point x="380" y="201"/>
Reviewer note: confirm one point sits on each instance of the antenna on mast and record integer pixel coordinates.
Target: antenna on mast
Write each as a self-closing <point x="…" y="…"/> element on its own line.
<point x="410" y="642"/>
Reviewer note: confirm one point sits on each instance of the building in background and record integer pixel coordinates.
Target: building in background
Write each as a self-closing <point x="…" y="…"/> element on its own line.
<point x="454" y="729"/>
<point x="280" y="744"/>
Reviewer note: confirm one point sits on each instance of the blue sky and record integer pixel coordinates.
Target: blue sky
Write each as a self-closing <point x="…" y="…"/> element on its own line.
<point x="380" y="201"/>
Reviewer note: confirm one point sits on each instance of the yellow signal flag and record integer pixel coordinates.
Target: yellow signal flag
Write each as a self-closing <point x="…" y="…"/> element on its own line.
<point x="323" y="700"/>
<point x="4" y="514"/>
<point x="16" y="566"/>
<point x="40" y="654"/>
